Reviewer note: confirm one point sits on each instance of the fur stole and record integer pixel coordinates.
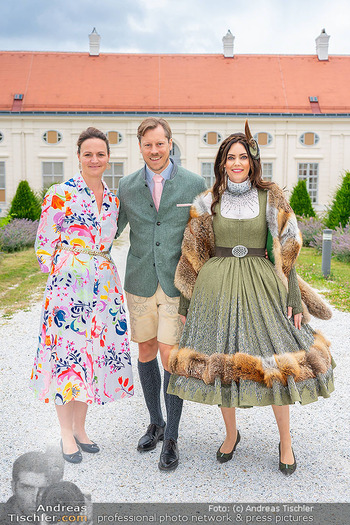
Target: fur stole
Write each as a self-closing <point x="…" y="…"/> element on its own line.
<point x="199" y="245"/>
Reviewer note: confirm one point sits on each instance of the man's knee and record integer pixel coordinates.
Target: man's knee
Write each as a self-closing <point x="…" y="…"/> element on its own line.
<point x="165" y="354"/>
<point x="148" y="350"/>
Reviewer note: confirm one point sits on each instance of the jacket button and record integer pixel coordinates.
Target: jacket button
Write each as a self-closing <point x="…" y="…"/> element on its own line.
<point x="151" y="205"/>
<point x="157" y="243"/>
<point x="154" y="264"/>
<point x="158" y="223"/>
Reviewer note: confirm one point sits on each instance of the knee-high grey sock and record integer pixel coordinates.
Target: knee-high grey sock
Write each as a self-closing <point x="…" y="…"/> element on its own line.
<point x="151" y="383"/>
<point x="173" y="411"/>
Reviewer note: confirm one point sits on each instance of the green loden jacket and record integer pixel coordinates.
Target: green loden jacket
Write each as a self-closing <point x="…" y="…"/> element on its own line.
<point x="155" y="237"/>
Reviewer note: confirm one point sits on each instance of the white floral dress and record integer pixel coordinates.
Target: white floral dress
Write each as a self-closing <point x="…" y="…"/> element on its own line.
<point x="83" y="351"/>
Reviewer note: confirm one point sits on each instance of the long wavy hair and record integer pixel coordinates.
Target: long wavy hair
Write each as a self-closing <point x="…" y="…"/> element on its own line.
<point x="254" y="175"/>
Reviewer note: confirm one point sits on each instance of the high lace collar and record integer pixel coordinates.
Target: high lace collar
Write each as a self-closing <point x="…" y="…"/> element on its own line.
<point x="238" y="188"/>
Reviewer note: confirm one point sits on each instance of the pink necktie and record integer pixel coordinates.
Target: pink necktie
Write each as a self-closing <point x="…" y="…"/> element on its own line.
<point x="157" y="189"/>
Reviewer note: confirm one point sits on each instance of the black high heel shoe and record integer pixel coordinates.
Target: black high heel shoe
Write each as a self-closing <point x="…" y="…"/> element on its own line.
<point x="286" y="469"/>
<point x="91" y="448"/>
<point x="76" y="457"/>
<point x="222" y="457"/>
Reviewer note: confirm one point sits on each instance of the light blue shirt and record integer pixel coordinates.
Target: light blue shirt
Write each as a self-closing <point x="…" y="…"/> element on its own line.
<point x="165" y="174"/>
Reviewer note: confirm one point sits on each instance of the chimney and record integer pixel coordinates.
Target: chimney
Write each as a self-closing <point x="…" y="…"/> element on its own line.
<point x="94" y="43"/>
<point x="228" y="41"/>
<point x="322" y="45"/>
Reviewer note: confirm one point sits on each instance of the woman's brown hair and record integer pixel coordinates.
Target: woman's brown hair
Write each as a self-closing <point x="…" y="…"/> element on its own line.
<point x="92" y="133"/>
<point x="252" y="150"/>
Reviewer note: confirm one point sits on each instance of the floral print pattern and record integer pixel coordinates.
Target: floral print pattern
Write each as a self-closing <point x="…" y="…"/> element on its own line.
<point x="83" y="351"/>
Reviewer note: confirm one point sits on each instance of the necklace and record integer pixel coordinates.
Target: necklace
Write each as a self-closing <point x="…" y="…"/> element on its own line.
<point x="237" y="188"/>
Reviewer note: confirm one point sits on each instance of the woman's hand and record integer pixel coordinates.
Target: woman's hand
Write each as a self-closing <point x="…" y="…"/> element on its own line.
<point x="297" y="317"/>
<point x="183" y="319"/>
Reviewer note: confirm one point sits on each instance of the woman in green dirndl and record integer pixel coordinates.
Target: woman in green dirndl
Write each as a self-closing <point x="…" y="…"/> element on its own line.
<point x="246" y="340"/>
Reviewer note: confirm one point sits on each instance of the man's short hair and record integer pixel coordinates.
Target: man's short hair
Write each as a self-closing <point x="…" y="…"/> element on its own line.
<point x="30" y="462"/>
<point x="152" y="123"/>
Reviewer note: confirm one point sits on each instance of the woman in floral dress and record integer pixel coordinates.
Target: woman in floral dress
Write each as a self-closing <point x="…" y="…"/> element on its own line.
<point x="83" y="354"/>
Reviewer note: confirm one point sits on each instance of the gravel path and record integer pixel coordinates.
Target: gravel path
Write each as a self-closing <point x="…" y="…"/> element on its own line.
<point x="121" y="474"/>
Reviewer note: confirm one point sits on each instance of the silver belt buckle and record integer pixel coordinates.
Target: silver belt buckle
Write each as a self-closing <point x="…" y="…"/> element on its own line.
<point x="239" y="251"/>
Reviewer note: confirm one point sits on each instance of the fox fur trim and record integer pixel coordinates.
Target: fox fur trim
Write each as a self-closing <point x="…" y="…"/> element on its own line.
<point x="300" y="365"/>
<point x="198" y="246"/>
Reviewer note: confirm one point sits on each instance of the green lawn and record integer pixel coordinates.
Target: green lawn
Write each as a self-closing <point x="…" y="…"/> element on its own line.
<point x="22" y="283"/>
<point x="336" y="289"/>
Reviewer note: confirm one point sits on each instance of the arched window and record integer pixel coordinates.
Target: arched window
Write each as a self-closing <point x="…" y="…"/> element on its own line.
<point x="52" y="136"/>
<point x="263" y="138"/>
<point x="175" y="154"/>
<point x="114" y="137"/>
<point x="309" y="138"/>
<point x="212" y="137"/>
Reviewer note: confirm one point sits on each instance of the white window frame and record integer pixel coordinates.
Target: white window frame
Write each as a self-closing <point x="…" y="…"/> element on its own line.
<point x="309" y="172"/>
<point x="207" y="172"/>
<point x="57" y="177"/>
<point x="267" y="167"/>
<point x="115" y="172"/>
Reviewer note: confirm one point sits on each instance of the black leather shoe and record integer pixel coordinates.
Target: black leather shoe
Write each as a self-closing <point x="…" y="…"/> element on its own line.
<point x="76" y="457"/>
<point x="169" y="456"/>
<point x="91" y="448"/>
<point x="222" y="457"/>
<point x="286" y="469"/>
<point x="149" y="440"/>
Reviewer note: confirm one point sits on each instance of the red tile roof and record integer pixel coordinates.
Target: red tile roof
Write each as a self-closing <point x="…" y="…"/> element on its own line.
<point x="67" y="82"/>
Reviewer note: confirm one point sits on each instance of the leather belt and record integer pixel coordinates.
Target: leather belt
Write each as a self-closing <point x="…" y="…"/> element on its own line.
<point x="79" y="249"/>
<point x="239" y="251"/>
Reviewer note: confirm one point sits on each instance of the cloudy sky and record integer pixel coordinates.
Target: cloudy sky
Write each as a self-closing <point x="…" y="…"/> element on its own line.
<point x="175" y="26"/>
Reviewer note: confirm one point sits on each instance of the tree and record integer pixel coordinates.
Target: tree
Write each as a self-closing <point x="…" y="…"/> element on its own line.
<point x="339" y="211"/>
<point x="300" y="200"/>
<point x="24" y="204"/>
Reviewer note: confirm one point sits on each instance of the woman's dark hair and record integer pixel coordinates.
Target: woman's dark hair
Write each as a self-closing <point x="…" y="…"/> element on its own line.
<point x="220" y="183"/>
<point x="92" y="133"/>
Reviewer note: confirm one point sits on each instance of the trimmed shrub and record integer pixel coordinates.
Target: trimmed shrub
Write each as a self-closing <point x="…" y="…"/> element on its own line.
<point x="339" y="211"/>
<point x="300" y="200"/>
<point x="18" y="234"/>
<point x="25" y="204"/>
<point x="310" y="227"/>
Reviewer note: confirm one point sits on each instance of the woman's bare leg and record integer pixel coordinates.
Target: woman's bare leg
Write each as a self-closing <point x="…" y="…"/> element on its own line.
<point x="65" y="417"/>
<point x="282" y="420"/>
<point x="79" y="417"/>
<point x="229" y="415"/>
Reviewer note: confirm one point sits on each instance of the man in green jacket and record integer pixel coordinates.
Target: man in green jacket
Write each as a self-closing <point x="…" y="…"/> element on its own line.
<point x="155" y="201"/>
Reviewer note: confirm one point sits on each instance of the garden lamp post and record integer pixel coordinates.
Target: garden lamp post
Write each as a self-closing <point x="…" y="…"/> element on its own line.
<point x="326" y="252"/>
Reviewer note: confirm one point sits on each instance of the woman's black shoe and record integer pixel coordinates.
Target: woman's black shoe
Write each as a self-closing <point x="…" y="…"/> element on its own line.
<point x="286" y="469"/>
<point x="76" y="457"/>
<point x="222" y="457"/>
<point x="91" y="448"/>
